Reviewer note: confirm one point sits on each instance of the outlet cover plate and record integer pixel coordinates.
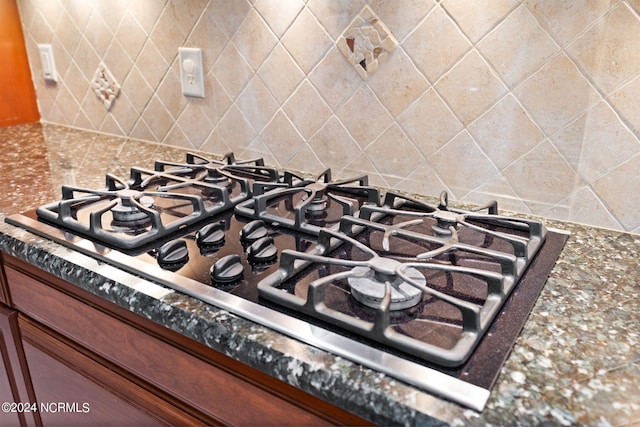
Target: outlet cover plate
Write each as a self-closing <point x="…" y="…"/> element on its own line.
<point x="191" y="74"/>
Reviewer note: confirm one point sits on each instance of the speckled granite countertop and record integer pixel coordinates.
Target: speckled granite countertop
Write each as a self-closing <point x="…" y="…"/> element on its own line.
<point x="577" y="361"/>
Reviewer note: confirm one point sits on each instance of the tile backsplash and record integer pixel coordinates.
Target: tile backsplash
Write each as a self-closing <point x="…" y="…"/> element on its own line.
<point x="531" y="102"/>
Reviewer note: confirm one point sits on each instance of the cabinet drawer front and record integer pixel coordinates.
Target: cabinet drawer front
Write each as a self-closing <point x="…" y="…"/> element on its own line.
<point x="213" y="390"/>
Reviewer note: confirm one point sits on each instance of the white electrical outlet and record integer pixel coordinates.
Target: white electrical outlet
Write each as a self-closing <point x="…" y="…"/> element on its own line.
<point x="191" y="73"/>
<point x="47" y="62"/>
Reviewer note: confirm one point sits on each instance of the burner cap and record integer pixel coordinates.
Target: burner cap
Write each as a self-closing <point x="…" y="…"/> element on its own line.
<point x="127" y="212"/>
<point x="368" y="288"/>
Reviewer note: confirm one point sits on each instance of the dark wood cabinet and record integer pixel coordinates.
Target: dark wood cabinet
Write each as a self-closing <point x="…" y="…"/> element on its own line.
<point x="125" y="367"/>
<point x="13" y="384"/>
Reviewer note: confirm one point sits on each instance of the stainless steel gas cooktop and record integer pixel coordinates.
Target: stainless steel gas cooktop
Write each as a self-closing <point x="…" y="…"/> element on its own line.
<point x="428" y="294"/>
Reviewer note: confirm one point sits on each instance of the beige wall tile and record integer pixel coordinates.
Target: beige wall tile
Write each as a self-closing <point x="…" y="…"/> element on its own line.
<point x="462" y="103"/>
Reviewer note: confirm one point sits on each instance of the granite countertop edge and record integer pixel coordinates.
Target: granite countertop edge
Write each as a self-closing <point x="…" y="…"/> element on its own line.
<point x="367" y="393"/>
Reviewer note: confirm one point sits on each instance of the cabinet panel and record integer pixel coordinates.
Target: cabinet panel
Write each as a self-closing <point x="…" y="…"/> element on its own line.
<point x="14" y="379"/>
<point x="207" y="381"/>
<point x="72" y="389"/>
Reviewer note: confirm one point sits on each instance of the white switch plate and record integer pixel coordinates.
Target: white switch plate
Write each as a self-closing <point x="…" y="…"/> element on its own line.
<point x="48" y="62"/>
<point x="191" y="73"/>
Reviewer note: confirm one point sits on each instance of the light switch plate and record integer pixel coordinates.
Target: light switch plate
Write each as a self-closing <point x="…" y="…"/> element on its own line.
<point x="191" y="73"/>
<point x="48" y="63"/>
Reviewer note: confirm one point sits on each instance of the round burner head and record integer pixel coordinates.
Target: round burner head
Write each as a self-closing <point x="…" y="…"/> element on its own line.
<point x="368" y="288"/>
<point x="127" y="212"/>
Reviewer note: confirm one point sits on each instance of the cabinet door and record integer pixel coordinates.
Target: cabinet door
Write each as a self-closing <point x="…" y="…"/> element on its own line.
<point x="72" y="389"/>
<point x="14" y="381"/>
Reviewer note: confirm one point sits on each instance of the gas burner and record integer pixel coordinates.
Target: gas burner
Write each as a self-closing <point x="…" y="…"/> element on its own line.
<point x="311" y="205"/>
<point x="126" y="211"/>
<point x="389" y="260"/>
<point x="225" y="172"/>
<point x="368" y="285"/>
<point x="132" y="214"/>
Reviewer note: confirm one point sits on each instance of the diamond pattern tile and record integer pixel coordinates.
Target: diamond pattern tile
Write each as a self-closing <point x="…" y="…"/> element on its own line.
<point x="462" y="154"/>
<point x="499" y="99"/>
<point x="517" y="47"/>
<point x="470" y="88"/>
<point x="254" y="40"/>
<point x="619" y="190"/>
<point x="334" y="146"/>
<point x="612" y="66"/>
<point x="306" y="41"/>
<point x="436" y="44"/>
<point x="581" y="142"/>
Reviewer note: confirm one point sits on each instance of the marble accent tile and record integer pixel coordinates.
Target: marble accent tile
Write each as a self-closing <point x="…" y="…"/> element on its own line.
<point x="357" y="116"/>
<point x="254" y="39"/>
<point x="436" y="44"/>
<point x="366" y="43"/>
<point x="398" y="83"/>
<point x="470" y="88"/>
<point x="548" y="97"/>
<point x="477" y="18"/>
<point x="306" y="41"/>
<point x="429" y="122"/>
<point x="279" y="15"/>
<point x="619" y="190"/>
<point x="334" y="146"/>
<point x="280" y="73"/>
<point x="542" y="177"/>
<point x="505" y="132"/>
<point x="105" y="86"/>
<point x="405" y="159"/>
<point x="517" y="47"/>
<point x="618" y="32"/>
<point x="462" y="154"/>
<point x="596" y="142"/>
